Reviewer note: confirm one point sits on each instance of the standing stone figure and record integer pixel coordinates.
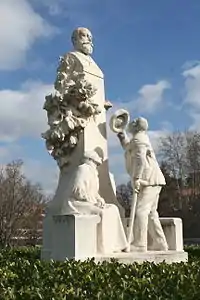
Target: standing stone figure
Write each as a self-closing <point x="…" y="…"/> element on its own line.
<point x="147" y="180"/>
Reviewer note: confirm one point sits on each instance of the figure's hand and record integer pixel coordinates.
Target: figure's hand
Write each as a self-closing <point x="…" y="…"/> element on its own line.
<point x="101" y="202"/>
<point x="137" y="184"/>
<point x="121" y="136"/>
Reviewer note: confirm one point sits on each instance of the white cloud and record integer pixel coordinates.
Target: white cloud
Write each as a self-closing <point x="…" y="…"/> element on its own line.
<point x="10" y="151"/>
<point x="151" y="96"/>
<point x="44" y="171"/>
<point x="55" y="7"/>
<point x="4" y="153"/>
<point x="191" y="75"/>
<point x="45" y="174"/>
<point x="190" y="64"/>
<point x="21" y="113"/>
<point x="20" y="27"/>
<point x="192" y="86"/>
<point x="195" y="116"/>
<point x="149" y="99"/>
<point x="155" y="137"/>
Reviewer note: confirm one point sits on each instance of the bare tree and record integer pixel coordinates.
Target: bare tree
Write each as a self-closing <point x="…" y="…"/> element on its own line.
<point x="180" y="152"/>
<point x="21" y="204"/>
<point x="193" y="160"/>
<point x="124" y="196"/>
<point x="173" y="151"/>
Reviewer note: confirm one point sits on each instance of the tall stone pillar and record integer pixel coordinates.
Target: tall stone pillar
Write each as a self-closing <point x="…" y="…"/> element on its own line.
<point x="76" y="113"/>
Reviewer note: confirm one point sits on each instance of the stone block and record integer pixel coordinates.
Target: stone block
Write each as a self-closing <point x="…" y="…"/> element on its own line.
<point x="74" y="236"/>
<point x="173" y="230"/>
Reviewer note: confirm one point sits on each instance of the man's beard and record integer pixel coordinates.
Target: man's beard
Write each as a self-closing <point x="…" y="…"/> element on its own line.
<point x="87" y="48"/>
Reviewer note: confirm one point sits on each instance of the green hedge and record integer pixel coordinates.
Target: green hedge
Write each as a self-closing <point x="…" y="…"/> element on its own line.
<point x="193" y="252"/>
<point x="23" y="276"/>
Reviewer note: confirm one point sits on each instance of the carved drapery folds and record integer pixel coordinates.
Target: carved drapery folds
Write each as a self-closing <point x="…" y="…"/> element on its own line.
<point x="69" y="109"/>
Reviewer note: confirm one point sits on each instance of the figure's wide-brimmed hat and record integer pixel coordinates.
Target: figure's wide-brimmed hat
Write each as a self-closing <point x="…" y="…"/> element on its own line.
<point x="119" y="120"/>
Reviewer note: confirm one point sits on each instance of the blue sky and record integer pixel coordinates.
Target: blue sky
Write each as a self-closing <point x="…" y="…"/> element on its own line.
<point x="149" y="52"/>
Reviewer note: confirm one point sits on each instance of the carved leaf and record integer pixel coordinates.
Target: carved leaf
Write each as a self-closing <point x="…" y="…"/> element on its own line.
<point x="73" y="140"/>
<point x="70" y="124"/>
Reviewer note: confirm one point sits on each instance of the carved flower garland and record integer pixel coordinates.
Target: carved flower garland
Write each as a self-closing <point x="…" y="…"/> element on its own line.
<point x="69" y="109"/>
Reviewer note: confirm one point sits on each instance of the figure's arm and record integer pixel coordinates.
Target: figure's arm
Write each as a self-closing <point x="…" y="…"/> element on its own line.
<point x="123" y="138"/>
<point x="100" y="201"/>
<point x="140" y="161"/>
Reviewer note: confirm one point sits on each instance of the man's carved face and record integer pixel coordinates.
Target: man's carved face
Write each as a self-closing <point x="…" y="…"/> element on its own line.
<point x="82" y="40"/>
<point x="139" y="124"/>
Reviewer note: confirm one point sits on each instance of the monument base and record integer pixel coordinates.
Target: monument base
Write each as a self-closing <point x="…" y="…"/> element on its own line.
<point x="69" y="237"/>
<point x="140" y="257"/>
<point x="150" y="256"/>
<point x="75" y="237"/>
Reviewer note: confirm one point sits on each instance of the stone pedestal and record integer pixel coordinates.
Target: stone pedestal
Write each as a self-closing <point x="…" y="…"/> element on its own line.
<point x="173" y="230"/>
<point x="73" y="236"/>
<point x="151" y="256"/>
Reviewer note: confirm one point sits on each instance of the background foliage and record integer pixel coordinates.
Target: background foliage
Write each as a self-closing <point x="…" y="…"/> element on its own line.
<point x="24" y="276"/>
<point x="21" y="206"/>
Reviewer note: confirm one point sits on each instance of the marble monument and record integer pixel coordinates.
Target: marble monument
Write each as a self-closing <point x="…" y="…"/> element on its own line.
<point x="83" y="220"/>
<point x="76" y="112"/>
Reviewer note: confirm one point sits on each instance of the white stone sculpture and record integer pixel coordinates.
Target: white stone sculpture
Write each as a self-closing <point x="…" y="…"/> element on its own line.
<point x="147" y="180"/>
<point x="76" y="112"/>
<point x="82" y="220"/>
<point x="85" y="199"/>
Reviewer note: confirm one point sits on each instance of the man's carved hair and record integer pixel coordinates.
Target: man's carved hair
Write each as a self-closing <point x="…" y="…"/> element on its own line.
<point x="140" y="123"/>
<point x="76" y="33"/>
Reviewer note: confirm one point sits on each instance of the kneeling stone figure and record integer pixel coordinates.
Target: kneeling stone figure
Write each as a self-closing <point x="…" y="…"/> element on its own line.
<point x="85" y="199"/>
